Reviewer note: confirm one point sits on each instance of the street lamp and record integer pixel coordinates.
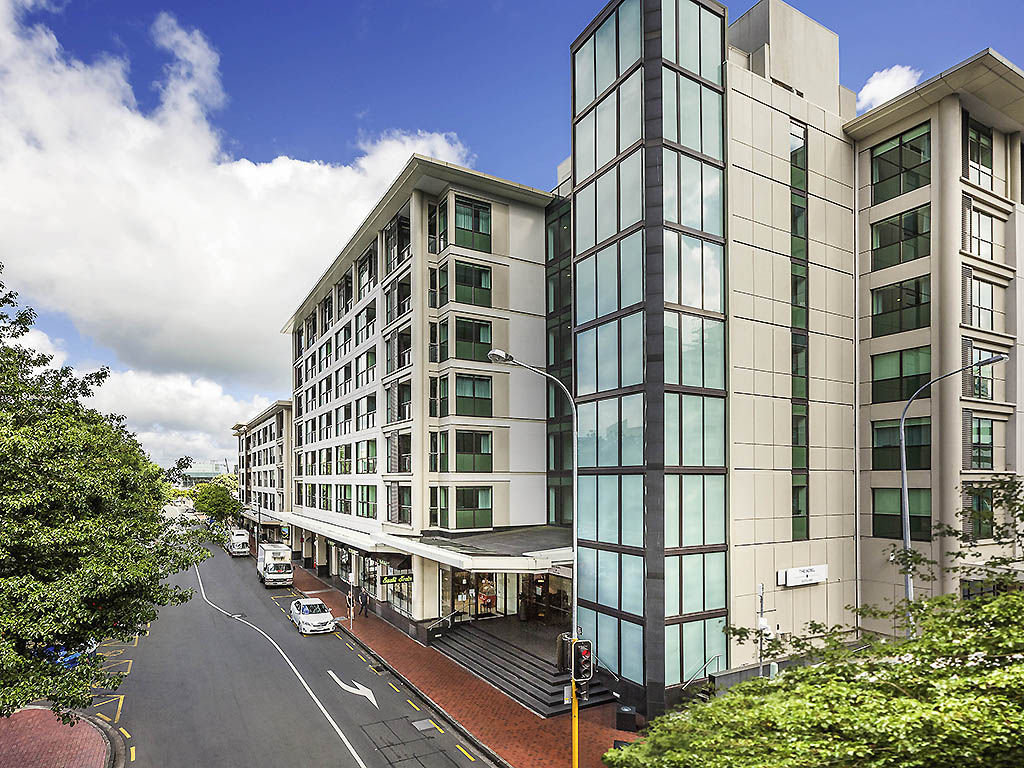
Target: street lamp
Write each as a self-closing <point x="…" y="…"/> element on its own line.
<point x="908" y="579"/>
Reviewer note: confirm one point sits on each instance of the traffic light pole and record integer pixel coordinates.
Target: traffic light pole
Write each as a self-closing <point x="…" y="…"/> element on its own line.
<point x="575" y="727"/>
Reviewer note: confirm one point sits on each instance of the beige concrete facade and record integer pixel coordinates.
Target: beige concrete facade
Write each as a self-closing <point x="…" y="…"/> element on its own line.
<point x="264" y="461"/>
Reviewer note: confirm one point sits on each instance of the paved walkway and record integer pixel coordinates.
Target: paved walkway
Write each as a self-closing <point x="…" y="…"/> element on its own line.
<point x="517" y="735"/>
<point x="36" y="738"/>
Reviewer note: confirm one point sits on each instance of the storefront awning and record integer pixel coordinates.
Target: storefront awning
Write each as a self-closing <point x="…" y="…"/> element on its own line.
<point x="256" y="517"/>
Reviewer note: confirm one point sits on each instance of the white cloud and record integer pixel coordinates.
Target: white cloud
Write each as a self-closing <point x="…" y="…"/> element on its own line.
<point x="886" y="84"/>
<point x="40" y="342"/>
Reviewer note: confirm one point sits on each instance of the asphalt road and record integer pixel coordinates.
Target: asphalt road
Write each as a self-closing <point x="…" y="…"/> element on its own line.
<point x="205" y="689"/>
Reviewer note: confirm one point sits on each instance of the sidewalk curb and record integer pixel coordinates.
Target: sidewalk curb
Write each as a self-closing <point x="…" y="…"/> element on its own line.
<point x="116" y="750"/>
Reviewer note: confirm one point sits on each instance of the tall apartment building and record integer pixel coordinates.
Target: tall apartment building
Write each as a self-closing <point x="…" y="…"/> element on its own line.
<point x="264" y="468"/>
<point x="737" y="274"/>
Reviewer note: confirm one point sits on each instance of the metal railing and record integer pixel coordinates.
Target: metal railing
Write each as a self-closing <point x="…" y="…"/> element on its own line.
<point x="695" y="674"/>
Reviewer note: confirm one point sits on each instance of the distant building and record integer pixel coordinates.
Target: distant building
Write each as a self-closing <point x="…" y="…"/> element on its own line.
<point x="264" y="472"/>
<point x="205" y="471"/>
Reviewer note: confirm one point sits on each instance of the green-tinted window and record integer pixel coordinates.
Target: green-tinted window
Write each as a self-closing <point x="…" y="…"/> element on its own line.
<point x="692" y="193"/>
<point x="442" y="285"/>
<point x="611" y="432"/>
<point x="472" y="339"/>
<point x="799" y="436"/>
<point x="473" y="224"/>
<point x="694" y="510"/>
<point x="472" y="284"/>
<point x="898" y="375"/>
<point x="473" y="451"/>
<point x="801" y="518"/>
<point x="798" y="288"/>
<point x="692" y="114"/>
<point x="979" y="512"/>
<point x="979" y="150"/>
<point x="799" y="356"/>
<point x="885" y="443"/>
<point x="472" y="395"/>
<point x="900" y="238"/>
<point x="901" y="306"/>
<point x="473" y="507"/>
<point x="901" y="164"/>
<point x="694" y="430"/>
<point x="693" y="272"/>
<point x="797" y="155"/>
<point x="798" y="226"/>
<point x="981" y="443"/>
<point x="438" y="507"/>
<point x="694" y="350"/>
<point x="887" y="517"/>
<point x="692" y="38"/>
<point x="984" y="379"/>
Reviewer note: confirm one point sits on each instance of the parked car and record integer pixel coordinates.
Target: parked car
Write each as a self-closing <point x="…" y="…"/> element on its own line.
<point x="310" y="615"/>
<point x="69" y="658"/>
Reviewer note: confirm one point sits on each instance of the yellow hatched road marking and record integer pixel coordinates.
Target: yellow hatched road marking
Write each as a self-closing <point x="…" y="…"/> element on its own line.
<point x="471" y="758"/>
<point x="114" y="664"/>
<point x="111" y="654"/>
<point x="375" y="671"/>
<point x="350" y="646"/>
<point x="126" y="734"/>
<point x="413" y="705"/>
<point x="100" y="714"/>
<point x="435" y="725"/>
<point x="133" y="755"/>
<point x="394" y="686"/>
<point x="364" y="658"/>
<point x="119" y="698"/>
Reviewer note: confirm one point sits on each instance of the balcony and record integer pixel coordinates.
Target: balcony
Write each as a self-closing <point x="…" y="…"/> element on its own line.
<point x="366" y="465"/>
<point x="365" y="377"/>
<point x="344" y="466"/>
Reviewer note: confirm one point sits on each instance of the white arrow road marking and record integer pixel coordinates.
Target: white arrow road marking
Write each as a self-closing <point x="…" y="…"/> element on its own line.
<point x="357" y="688"/>
<point x="302" y="680"/>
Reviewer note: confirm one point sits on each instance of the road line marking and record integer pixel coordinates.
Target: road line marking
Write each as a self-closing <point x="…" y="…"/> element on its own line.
<point x="302" y="680"/>
<point x="126" y="734"/>
<point x="133" y="755"/>
<point x="364" y="658"/>
<point x="100" y="714"/>
<point x="394" y="686"/>
<point x="436" y="725"/>
<point x="350" y="646"/>
<point x="471" y="758"/>
<point x="375" y="671"/>
<point x="114" y="664"/>
<point x="413" y="705"/>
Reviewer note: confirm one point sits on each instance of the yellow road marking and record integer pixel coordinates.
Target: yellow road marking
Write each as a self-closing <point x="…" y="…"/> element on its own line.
<point x="100" y="714"/>
<point x="126" y="734"/>
<point x="350" y="646"/>
<point x="394" y="686"/>
<point x="119" y="698"/>
<point x="435" y="725"/>
<point x="134" y="642"/>
<point x="114" y="664"/>
<point x="375" y="671"/>
<point x="111" y="654"/>
<point x="364" y="658"/>
<point x="413" y="705"/>
<point x="471" y="758"/>
<point x="133" y="755"/>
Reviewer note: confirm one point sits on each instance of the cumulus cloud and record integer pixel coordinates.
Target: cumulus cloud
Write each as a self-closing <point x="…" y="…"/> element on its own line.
<point x="886" y="84"/>
<point x="40" y="342"/>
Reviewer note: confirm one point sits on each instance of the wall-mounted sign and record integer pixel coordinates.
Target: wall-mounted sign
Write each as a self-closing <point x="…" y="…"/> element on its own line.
<point x="798" y="577"/>
<point x="398" y="578"/>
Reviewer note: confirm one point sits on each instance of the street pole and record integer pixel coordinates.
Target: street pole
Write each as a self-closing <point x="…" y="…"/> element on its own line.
<point x="908" y="578"/>
<point x="575" y="725"/>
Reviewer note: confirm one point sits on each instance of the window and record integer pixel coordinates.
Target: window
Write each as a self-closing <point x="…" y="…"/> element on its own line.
<point x="611" y="509"/>
<point x="984" y="379"/>
<point x="694" y="510"/>
<point x="343" y="458"/>
<point x="692" y="38"/>
<point x="442" y="285"/>
<point x="472" y="339"/>
<point x="473" y="224"/>
<point x="442" y="225"/>
<point x="610" y="279"/>
<point x="898" y="375"/>
<point x="980" y="521"/>
<point x="885" y="443"/>
<point x="693" y="193"/>
<point x="611" y="203"/>
<point x="442" y="397"/>
<point x="472" y="395"/>
<point x="692" y="113"/>
<point x="979" y="152"/>
<point x="473" y="507"/>
<point x="366" y="501"/>
<point x="693" y="272"/>
<point x="612" y="579"/>
<point x="694" y="430"/>
<point x="366" y="457"/>
<point x="981" y="234"/>
<point x="438" y="451"/>
<point x="473" y="451"/>
<point x="901" y="238"/>
<point x="901" y="306"/>
<point x="366" y="411"/>
<point x="981" y="443"/>
<point x="367" y="272"/>
<point x="442" y="341"/>
<point x="798" y="226"/>
<point x="901" y="164"/>
<point x="438" y="507"/>
<point x="694" y="351"/>
<point x="344" y="493"/>
<point x="801" y="519"/>
<point x="611" y="355"/>
<point x="472" y="284"/>
<point x="694" y="583"/>
<point x="887" y="516"/>
<point x="982" y="315"/>
<point x="608" y="53"/>
<point x="612" y="432"/>
<point x="798" y="290"/>
<point x="799" y="365"/>
<point x="365" y="322"/>
<point x="797" y="155"/>
<point x="610" y="129"/>
<point x="799" y="436"/>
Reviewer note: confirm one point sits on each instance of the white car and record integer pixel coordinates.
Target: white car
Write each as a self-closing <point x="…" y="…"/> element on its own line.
<point x="310" y="615"/>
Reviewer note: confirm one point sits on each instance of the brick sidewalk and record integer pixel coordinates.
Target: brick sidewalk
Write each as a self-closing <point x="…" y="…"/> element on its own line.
<point x="36" y="738"/>
<point x="514" y="733"/>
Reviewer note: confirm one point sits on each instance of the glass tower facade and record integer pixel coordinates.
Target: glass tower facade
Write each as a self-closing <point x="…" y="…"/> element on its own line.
<point x="648" y="258"/>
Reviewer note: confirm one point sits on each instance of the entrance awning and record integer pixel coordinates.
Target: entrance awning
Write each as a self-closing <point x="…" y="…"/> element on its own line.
<point x="264" y="518"/>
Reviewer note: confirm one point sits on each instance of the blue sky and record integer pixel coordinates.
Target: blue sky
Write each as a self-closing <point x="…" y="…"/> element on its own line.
<point x="209" y="162"/>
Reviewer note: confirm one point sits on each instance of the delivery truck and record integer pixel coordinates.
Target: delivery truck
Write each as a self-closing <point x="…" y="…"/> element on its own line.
<point x="274" y="564"/>
<point x="237" y="542"/>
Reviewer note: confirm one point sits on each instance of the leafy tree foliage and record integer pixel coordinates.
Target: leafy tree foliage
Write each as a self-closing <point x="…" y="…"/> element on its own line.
<point x="228" y="481"/>
<point x="85" y="550"/>
<point x="215" y="501"/>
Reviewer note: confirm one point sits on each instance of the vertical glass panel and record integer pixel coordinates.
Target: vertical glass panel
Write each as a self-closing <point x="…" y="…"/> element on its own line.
<point x="689" y="112"/>
<point x="714" y="509"/>
<point x="714" y="354"/>
<point x="673" y="510"/>
<point x="715" y="643"/>
<point x="631" y="189"/>
<point x="633" y="584"/>
<point x="587" y="588"/>
<point x="693" y="583"/>
<point x="608" y="578"/>
<point x="673" y="651"/>
<point x="714" y="431"/>
<point x="584" y="146"/>
<point x="712" y="199"/>
<point x="584" y="75"/>
<point x="607" y="281"/>
<point x="671" y="347"/>
<point x="693" y="272"/>
<point x="608" y="355"/>
<point x="693" y="510"/>
<point x="711" y="123"/>
<point x="692" y="429"/>
<point x="672" y="424"/>
<point x="630" y="110"/>
<point x="691" y="337"/>
<point x="608" y="432"/>
<point x="670" y="189"/>
<point x="668" y="26"/>
<point x="632" y="505"/>
<point x="631" y="269"/>
<point x="633" y="430"/>
<point x="607" y="646"/>
<point x="607" y="200"/>
<point x="584" y="205"/>
<point x="690" y="200"/>
<point x="714" y="287"/>
<point x="711" y="46"/>
<point x="632" y="349"/>
<point x="586" y="290"/>
<point x="672" y="267"/>
<point x="587" y="617"/>
<point x="670" y="104"/>
<point x="608" y="509"/>
<point x="604" y="39"/>
<point x="693" y="648"/>
<point x="587" y="414"/>
<point x="673" y="606"/>
<point x="586" y="362"/>
<point x="632" y="667"/>
<point x="689" y="36"/>
<point x="606" y="139"/>
<point x="587" y="501"/>
<point x="714" y="581"/>
<point x="629" y="34"/>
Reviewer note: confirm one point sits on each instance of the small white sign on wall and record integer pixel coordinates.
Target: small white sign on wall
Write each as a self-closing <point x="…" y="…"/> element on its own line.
<point x="798" y="577"/>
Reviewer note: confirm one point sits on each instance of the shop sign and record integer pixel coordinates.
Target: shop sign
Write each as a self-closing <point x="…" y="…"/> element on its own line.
<point x="398" y="578"/>
<point x="798" y="577"/>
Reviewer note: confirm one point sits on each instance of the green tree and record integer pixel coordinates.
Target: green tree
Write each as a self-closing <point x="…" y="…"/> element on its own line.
<point x="228" y="481"/>
<point x="215" y="501"/>
<point x="85" y="551"/>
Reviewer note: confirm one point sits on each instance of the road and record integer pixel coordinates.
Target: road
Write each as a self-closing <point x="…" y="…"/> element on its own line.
<point x="206" y="689"/>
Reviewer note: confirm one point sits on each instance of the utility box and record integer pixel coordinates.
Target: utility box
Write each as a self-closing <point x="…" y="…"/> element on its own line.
<point x="625" y="718"/>
<point x="563" y="645"/>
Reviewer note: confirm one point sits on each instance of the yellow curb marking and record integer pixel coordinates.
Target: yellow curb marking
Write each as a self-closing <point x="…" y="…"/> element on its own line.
<point x="435" y="725"/>
<point x="100" y="714"/>
<point x="394" y="686"/>
<point x="119" y="698"/>
<point x="350" y="646"/>
<point x="413" y="705"/>
<point x="471" y="758"/>
<point x="375" y="671"/>
<point x="364" y="658"/>
<point x="126" y="734"/>
<point x="133" y="755"/>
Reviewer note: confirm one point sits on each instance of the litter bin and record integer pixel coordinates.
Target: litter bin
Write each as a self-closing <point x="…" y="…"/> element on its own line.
<point x="625" y="718"/>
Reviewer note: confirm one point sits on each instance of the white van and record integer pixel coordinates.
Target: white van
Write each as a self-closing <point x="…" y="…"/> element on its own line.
<point x="274" y="564"/>
<point x="237" y="542"/>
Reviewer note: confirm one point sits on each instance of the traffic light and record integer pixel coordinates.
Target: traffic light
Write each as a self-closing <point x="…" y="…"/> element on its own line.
<point x="582" y="660"/>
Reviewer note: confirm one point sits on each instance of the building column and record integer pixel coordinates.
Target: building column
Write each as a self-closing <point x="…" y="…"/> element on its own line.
<point x="1014" y="171"/>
